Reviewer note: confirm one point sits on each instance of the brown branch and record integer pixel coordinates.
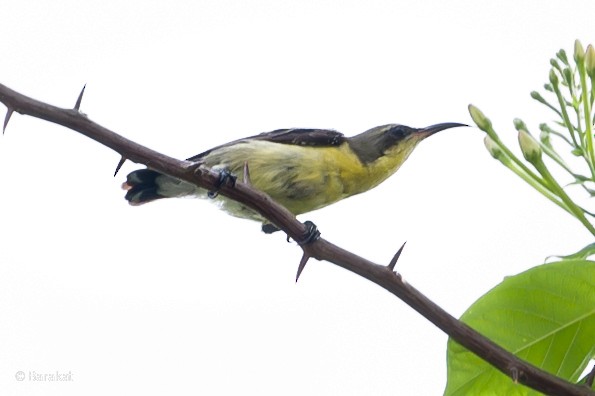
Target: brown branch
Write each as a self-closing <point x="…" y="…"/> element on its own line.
<point x="320" y="249"/>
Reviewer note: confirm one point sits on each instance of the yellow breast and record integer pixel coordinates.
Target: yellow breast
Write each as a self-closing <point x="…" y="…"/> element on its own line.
<point x="303" y="178"/>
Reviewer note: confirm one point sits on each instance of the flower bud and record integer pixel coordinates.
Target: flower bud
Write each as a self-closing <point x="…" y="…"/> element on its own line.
<point x="562" y="56"/>
<point x="579" y="52"/>
<point x="492" y="147"/>
<point x="479" y="118"/>
<point x="537" y="96"/>
<point x="529" y="146"/>
<point x="545" y="127"/>
<point x="553" y="77"/>
<point x="544" y="137"/>
<point x="590" y="61"/>
<point x="519" y="124"/>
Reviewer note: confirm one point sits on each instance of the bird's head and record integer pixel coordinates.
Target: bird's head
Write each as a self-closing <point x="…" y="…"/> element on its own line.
<point x="392" y="140"/>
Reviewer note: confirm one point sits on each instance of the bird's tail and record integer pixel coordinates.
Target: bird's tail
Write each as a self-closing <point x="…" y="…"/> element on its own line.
<point x="141" y="186"/>
<point x="147" y="185"/>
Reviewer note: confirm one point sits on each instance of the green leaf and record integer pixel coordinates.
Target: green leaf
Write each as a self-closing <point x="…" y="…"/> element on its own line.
<point x="545" y="316"/>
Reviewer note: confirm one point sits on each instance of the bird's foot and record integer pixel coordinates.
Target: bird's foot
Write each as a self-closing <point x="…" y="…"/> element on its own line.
<point x="269" y="228"/>
<point x="312" y="234"/>
<point x="224" y="177"/>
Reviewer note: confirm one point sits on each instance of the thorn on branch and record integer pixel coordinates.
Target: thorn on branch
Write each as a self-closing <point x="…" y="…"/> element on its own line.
<point x="77" y="105"/>
<point x="122" y="160"/>
<point x="9" y="111"/>
<point x="247" y="174"/>
<point x="590" y="378"/>
<point x="393" y="262"/>
<point x="302" y="265"/>
<point x="514" y="374"/>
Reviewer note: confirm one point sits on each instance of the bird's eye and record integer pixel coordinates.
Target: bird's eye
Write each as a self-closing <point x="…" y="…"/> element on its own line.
<point x="399" y="131"/>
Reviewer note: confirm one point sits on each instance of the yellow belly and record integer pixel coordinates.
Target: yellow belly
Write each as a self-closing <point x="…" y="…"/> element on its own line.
<point x="301" y="178"/>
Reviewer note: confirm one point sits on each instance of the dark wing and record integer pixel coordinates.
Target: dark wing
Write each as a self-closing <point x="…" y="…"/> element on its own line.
<point x="303" y="137"/>
<point x="296" y="136"/>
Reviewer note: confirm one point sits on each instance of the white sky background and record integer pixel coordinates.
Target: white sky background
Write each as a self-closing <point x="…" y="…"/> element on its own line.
<point x="178" y="298"/>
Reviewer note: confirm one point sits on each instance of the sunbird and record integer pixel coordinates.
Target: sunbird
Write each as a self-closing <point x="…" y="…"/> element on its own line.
<point x="302" y="169"/>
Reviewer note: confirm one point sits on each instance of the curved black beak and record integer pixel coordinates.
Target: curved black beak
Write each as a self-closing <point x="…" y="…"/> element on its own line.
<point x="432" y="129"/>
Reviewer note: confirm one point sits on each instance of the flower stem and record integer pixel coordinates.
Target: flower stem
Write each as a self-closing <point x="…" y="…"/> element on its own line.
<point x="575" y="210"/>
<point x="588" y="137"/>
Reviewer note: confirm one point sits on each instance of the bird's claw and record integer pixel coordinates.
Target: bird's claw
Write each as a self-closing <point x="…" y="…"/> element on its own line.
<point x="224" y="177"/>
<point x="269" y="228"/>
<point x="312" y="234"/>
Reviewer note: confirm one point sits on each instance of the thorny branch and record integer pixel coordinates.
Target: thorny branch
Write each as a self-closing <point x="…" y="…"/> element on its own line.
<point x="382" y="275"/>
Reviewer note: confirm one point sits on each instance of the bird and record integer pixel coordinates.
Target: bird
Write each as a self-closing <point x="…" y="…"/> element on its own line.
<point x="302" y="169"/>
